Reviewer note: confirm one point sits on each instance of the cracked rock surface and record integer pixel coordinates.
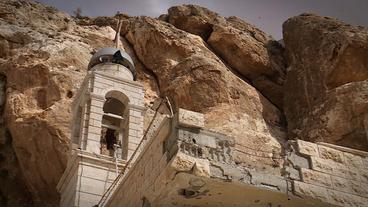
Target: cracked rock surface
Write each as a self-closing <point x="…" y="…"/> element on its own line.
<point x="225" y="68"/>
<point x="326" y="86"/>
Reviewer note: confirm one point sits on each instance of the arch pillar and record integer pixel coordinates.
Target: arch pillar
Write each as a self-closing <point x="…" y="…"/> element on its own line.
<point x="136" y="114"/>
<point x="93" y="122"/>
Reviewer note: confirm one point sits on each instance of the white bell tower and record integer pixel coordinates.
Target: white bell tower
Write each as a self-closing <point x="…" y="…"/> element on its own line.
<point x="107" y="127"/>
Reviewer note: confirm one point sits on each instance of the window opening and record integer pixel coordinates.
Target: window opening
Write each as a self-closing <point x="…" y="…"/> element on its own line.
<point x="113" y="127"/>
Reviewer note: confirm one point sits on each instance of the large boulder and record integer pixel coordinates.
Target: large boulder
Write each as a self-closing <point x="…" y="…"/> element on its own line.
<point x="326" y="88"/>
<point x="194" y="78"/>
<point x="44" y="57"/>
<point x="245" y="48"/>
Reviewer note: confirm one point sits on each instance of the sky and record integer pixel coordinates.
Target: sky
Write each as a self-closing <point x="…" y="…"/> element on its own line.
<point x="268" y="15"/>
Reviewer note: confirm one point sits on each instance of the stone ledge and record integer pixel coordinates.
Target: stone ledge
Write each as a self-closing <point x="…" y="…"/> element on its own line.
<point x="190" y="118"/>
<point x="316" y="178"/>
<point x="120" y="80"/>
<point x="345" y="149"/>
<point x="307" y="148"/>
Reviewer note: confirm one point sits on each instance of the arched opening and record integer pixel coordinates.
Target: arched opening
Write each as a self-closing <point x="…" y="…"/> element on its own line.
<point x="114" y="124"/>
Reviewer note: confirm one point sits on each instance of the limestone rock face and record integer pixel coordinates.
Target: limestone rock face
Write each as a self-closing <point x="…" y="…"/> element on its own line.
<point x="225" y="68"/>
<point x="326" y="87"/>
<point x="44" y="56"/>
<point x="194" y="78"/>
<point x="245" y="48"/>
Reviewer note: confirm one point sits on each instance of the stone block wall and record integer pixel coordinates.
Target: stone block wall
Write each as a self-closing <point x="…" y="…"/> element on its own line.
<point x="313" y="174"/>
<point x="144" y="178"/>
<point x="330" y="173"/>
<point x="86" y="179"/>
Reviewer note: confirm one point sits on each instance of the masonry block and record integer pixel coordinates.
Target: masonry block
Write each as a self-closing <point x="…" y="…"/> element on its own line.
<point x="363" y="176"/>
<point x="206" y="140"/>
<point x="298" y="161"/>
<point x="365" y="162"/>
<point x="269" y="181"/>
<point x="353" y="161"/>
<point x="93" y="146"/>
<point x="92" y="186"/>
<point x="329" y="167"/>
<point x="183" y="162"/>
<point x="330" y="154"/>
<point x="344" y="199"/>
<point x="190" y="118"/>
<point x="305" y="190"/>
<point x="87" y="200"/>
<point x="202" y="168"/>
<point x="316" y="178"/>
<point x="349" y="186"/>
<point x="307" y="148"/>
<point x="294" y="174"/>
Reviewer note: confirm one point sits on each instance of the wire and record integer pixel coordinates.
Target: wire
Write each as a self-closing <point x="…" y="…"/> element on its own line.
<point x="170" y="107"/>
<point x="113" y="184"/>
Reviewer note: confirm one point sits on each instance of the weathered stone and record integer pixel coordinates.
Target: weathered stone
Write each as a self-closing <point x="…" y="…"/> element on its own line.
<point x="343" y="199"/>
<point x="45" y="60"/>
<point x="206" y="140"/>
<point x="44" y="54"/>
<point x="269" y="181"/>
<point x="190" y="118"/>
<point x="326" y="82"/>
<point x="194" y="78"/>
<point x="363" y="176"/>
<point x="251" y="52"/>
<point x="349" y="186"/>
<point x="330" y="154"/>
<point x="202" y="168"/>
<point x="337" y="169"/>
<point x="298" y="161"/>
<point x="183" y="162"/>
<point x="326" y="166"/>
<point x="310" y="191"/>
<point x="293" y="173"/>
<point x="365" y="162"/>
<point x="353" y="161"/>
<point x="307" y="148"/>
<point x="316" y="178"/>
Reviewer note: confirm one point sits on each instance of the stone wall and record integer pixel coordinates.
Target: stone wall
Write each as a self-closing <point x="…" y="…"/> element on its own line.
<point x="86" y="179"/>
<point x="312" y="174"/>
<point x="330" y="173"/>
<point x="143" y="175"/>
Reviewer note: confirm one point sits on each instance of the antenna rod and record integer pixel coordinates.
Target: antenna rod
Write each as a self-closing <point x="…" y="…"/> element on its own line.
<point x="117" y="36"/>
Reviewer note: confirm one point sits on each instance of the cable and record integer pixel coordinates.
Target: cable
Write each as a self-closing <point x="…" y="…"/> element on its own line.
<point x="113" y="184"/>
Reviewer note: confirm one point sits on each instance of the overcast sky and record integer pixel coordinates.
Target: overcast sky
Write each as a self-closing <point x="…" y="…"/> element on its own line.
<point x="268" y="15"/>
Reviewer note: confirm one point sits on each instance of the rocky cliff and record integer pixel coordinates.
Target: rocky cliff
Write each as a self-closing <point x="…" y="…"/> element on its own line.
<point x="247" y="85"/>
